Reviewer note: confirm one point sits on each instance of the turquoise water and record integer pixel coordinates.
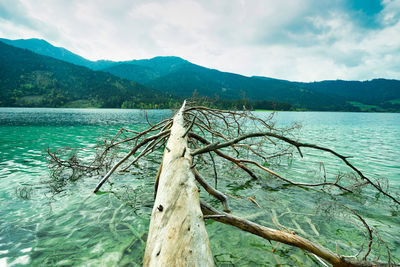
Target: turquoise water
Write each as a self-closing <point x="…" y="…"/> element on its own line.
<point x="78" y="228"/>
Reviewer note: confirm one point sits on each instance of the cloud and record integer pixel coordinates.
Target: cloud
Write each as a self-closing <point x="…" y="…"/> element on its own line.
<point x="296" y="40"/>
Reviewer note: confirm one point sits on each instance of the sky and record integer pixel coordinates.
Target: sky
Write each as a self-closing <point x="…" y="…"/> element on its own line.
<point x="298" y="40"/>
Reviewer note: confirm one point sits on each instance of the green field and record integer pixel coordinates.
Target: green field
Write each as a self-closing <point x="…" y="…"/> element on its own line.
<point x="365" y="107"/>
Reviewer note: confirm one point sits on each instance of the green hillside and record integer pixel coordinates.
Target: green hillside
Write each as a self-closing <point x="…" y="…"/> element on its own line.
<point x="29" y="79"/>
<point x="133" y="72"/>
<point x="209" y="82"/>
<point x="176" y="76"/>
<point x="374" y="95"/>
<point x="42" y="47"/>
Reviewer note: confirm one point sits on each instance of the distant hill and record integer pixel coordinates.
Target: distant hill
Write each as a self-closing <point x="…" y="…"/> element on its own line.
<point x="177" y="76"/>
<point x="42" y="47"/>
<point x="29" y="79"/>
<point x="173" y="75"/>
<point x="133" y="72"/>
<point x="146" y="70"/>
<point x="162" y="65"/>
<point x="377" y="94"/>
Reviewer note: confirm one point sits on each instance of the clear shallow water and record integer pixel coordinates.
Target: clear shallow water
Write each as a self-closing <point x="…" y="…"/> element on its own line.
<point x="81" y="229"/>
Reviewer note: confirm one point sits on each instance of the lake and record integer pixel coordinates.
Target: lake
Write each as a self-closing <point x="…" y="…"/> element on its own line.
<point x="79" y="228"/>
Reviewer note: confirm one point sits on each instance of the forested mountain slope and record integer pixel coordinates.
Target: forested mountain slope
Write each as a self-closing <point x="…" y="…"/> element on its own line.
<point x="29" y="79"/>
<point x="179" y="77"/>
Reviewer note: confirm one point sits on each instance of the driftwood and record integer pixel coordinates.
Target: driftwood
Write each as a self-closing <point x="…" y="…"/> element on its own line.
<point x="177" y="234"/>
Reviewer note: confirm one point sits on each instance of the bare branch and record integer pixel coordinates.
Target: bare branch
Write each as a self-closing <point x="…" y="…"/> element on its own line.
<point x="190" y="127"/>
<point x="212" y="191"/>
<point x="284" y="237"/>
<point x="218" y="145"/>
<point x="294" y="183"/>
<point x="215" y="170"/>
<point x="146" y="150"/>
<point x="133" y="151"/>
<point x="219" y="153"/>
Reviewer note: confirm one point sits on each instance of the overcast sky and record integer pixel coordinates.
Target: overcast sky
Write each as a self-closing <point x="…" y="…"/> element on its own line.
<point x="302" y="40"/>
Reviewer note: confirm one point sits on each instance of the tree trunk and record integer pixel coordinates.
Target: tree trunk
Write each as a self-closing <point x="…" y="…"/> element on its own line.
<point x="177" y="234"/>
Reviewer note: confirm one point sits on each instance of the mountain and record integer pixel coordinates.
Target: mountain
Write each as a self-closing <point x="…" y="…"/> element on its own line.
<point x="44" y="48"/>
<point x="145" y="70"/>
<point x="177" y="76"/>
<point x="133" y="72"/>
<point x="373" y="95"/>
<point x="30" y="79"/>
<point x="173" y="75"/>
<point x="162" y="65"/>
<point x="376" y="94"/>
<point x="226" y="85"/>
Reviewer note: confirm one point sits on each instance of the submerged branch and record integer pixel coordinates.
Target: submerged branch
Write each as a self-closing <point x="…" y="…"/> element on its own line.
<point x="217" y="145"/>
<point x="127" y="156"/>
<point x="226" y="133"/>
<point x="211" y="190"/>
<point x="284" y="237"/>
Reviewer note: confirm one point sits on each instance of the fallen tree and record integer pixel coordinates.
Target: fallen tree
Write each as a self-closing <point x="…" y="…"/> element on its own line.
<point x="197" y="136"/>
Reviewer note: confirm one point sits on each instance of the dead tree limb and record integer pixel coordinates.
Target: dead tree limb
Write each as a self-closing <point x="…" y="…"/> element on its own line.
<point x="212" y="191"/>
<point x="127" y="156"/>
<point x="284" y="237"/>
<point x="217" y="145"/>
<point x="222" y="155"/>
<point x="177" y="235"/>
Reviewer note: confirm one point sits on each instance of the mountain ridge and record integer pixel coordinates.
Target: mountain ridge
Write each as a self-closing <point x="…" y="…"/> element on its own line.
<point x="30" y="79"/>
<point x="174" y="75"/>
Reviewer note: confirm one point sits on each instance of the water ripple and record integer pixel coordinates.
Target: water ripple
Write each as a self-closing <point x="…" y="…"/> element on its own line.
<point x="81" y="229"/>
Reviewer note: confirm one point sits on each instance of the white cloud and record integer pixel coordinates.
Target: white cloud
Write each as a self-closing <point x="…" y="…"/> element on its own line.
<point x="295" y="40"/>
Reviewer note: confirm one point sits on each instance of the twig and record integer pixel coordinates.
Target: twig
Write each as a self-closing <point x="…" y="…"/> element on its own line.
<point x="212" y="191"/>
<point x="223" y="155"/>
<point x="215" y="170"/>
<point x="133" y="151"/>
<point x="190" y="127"/>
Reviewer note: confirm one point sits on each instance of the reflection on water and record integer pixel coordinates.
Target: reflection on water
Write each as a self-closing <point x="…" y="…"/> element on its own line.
<point x="82" y="229"/>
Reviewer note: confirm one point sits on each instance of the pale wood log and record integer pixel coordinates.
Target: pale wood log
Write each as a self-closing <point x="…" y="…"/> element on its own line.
<point x="177" y="234"/>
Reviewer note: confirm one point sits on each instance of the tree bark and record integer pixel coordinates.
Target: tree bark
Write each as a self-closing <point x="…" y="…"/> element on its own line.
<point x="177" y="234"/>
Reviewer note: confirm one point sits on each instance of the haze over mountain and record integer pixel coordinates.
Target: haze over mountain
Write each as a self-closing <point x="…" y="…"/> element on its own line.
<point x="173" y="75"/>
